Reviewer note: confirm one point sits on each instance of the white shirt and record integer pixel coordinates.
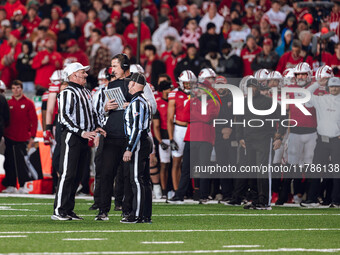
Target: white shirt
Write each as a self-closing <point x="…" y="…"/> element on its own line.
<point x="327" y="112"/>
<point x="158" y="37"/>
<point x="114" y="43"/>
<point x="276" y="18"/>
<point x="217" y="20"/>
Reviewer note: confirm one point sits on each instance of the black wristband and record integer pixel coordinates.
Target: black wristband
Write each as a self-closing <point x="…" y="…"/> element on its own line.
<point x="49" y="127"/>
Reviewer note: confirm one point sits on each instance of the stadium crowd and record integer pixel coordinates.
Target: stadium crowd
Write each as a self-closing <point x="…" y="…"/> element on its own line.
<point x="259" y="44"/>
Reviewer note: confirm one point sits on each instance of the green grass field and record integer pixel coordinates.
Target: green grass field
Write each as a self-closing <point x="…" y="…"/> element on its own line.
<point x="26" y="228"/>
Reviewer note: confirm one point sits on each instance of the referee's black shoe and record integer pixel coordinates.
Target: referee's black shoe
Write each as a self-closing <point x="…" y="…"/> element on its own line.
<point x="175" y="200"/>
<point x="60" y="217"/>
<point x="74" y="216"/>
<point x="94" y="207"/>
<point x="102" y="216"/>
<point x="251" y="206"/>
<point x="131" y="219"/>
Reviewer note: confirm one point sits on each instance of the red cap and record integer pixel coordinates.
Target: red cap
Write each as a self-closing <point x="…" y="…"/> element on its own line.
<point x="324" y="30"/>
<point x="221" y="80"/>
<point x="58" y="10"/>
<point x="309" y="18"/>
<point x="267" y="41"/>
<point x="16" y="33"/>
<point x="115" y="14"/>
<point x="71" y="43"/>
<point x="165" y="6"/>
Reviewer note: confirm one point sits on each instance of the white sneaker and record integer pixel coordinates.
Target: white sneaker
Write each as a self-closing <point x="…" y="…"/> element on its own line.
<point x="297" y="199"/>
<point x="171" y="194"/>
<point x="23" y="190"/>
<point x="10" y="189"/>
<point x="157" y="191"/>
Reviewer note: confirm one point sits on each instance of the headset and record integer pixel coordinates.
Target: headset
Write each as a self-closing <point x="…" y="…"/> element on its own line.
<point x="125" y="63"/>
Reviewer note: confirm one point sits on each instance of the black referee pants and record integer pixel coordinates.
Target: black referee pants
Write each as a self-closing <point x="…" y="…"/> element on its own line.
<point x="140" y="179"/>
<point x="112" y="157"/>
<point x="98" y="161"/>
<point x="321" y="156"/>
<point x="259" y="152"/>
<point x="73" y="151"/>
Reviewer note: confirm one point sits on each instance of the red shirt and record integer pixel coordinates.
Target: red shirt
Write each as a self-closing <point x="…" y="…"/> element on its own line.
<point x="170" y="65"/>
<point x="54" y="88"/>
<point x="10" y="8"/>
<point x="9" y="72"/>
<point x="23" y="120"/>
<point x="44" y="72"/>
<point x="248" y="57"/>
<point x="180" y="101"/>
<point x="336" y="63"/>
<point x="162" y="108"/>
<point x="130" y="35"/>
<point x="55" y="27"/>
<point x="200" y="127"/>
<point x="287" y="61"/>
<point x="78" y="56"/>
<point x="31" y="25"/>
<point x="334" y="19"/>
<point x="326" y="59"/>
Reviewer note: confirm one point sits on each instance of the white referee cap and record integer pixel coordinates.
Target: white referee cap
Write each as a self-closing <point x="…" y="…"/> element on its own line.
<point x="334" y="81"/>
<point x="74" y="67"/>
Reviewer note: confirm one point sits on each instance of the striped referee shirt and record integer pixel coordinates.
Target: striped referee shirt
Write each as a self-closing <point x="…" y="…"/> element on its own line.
<point x="137" y="120"/>
<point x="76" y="111"/>
<point x="99" y="100"/>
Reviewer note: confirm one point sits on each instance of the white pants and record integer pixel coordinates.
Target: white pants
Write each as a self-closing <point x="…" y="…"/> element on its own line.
<point x="301" y="148"/>
<point x="179" y="134"/>
<point x="164" y="155"/>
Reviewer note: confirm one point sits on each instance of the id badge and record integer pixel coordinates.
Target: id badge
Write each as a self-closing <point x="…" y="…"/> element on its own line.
<point x="325" y="139"/>
<point x="234" y="143"/>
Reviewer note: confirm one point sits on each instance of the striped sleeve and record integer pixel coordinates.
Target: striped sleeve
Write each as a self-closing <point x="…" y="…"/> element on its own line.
<point x="67" y="116"/>
<point x="135" y="127"/>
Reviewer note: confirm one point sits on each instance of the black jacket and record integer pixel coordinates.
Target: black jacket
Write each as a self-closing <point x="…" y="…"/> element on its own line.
<point x="4" y="114"/>
<point x="260" y="102"/>
<point x="115" y="124"/>
<point x="195" y="65"/>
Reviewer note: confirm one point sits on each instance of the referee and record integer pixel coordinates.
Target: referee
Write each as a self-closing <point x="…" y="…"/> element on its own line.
<point x="79" y="124"/>
<point x="137" y="117"/>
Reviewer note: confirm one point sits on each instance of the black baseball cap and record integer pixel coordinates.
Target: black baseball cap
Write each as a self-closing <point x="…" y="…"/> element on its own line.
<point x="138" y="78"/>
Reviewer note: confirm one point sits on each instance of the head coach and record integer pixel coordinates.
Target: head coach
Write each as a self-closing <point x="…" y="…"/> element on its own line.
<point x="79" y="124"/>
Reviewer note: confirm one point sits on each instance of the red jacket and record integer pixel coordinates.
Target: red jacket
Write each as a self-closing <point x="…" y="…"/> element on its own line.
<point x="78" y="56"/>
<point x="170" y="65"/>
<point x="200" y="127"/>
<point x="30" y="26"/>
<point x="248" y="57"/>
<point x="287" y="61"/>
<point x="130" y="35"/>
<point x="9" y="72"/>
<point x="336" y="63"/>
<point x="326" y="59"/>
<point x="23" y="120"/>
<point x="10" y="8"/>
<point x="44" y="72"/>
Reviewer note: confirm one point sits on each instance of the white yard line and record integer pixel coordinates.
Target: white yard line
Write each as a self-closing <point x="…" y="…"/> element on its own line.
<point x="16" y="236"/>
<point x="241" y="246"/>
<point x="202" y="214"/>
<point x="163" y="242"/>
<point x="1" y="204"/>
<point x="84" y="239"/>
<point x="281" y="250"/>
<point x="172" y="230"/>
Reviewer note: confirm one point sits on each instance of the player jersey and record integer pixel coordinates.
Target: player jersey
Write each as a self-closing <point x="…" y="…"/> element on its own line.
<point x="180" y="101"/>
<point x="306" y="121"/>
<point x="54" y="88"/>
<point x="162" y="112"/>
